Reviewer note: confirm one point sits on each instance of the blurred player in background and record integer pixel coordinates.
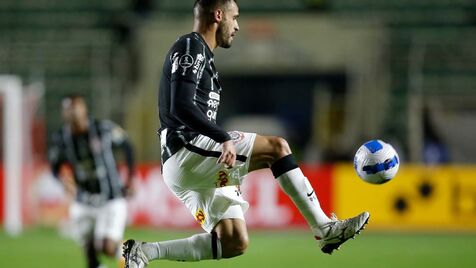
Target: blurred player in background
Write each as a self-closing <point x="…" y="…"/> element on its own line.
<point x="203" y="165"/>
<point x="98" y="214"/>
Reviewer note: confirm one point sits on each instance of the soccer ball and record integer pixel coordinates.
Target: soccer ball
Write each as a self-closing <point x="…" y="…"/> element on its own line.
<point x="376" y="162"/>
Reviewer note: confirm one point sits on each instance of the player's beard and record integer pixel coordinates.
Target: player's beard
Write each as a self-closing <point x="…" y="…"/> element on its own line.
<point x="222" y="39"/>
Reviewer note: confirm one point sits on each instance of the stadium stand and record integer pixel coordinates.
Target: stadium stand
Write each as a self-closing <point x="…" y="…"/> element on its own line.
<point x="70" y="45"/>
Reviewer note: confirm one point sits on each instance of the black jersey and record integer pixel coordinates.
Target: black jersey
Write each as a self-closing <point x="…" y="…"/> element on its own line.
<point x="91" y="157"/>
<point x="189" y="95"/>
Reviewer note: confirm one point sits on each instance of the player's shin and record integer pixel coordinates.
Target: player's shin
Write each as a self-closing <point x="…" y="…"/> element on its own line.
<point x="195" y="248"/>
<point x="91" y="254"/>
<point x="297" y="187"/>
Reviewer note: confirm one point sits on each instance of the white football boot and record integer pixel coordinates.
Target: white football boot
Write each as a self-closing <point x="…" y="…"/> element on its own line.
<point x="337" y="231"/>
<point x="133" y="254"/>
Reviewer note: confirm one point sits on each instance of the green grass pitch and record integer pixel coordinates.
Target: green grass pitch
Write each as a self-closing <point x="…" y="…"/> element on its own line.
<point x="44" y="248"/>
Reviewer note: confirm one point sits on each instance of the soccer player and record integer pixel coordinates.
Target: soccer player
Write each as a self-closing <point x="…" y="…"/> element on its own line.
<point x="98" y="214"/>
<point x="203" y="165"/>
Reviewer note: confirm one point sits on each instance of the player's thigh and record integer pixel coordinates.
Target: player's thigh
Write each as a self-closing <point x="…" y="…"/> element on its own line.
<point x="195" y="166"/>
<point x="111" y="221"/>
<point x="81" y="221"/>
<point x="208" y="189"/>
<point x="266" y="150"/>
<point x="209" y="206"/>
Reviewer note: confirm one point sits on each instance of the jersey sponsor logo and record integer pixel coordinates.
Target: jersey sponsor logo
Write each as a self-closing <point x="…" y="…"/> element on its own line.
<point x="214" y="96"/>
<point x="198" y="62"/>
<point x="200" y="216"/>
<point x="200" y="72"/>
<point x="185" y="61"/>
<point x="223" y="179"/>
<point x="213" y="104"/>
<point x="212" y="115"/>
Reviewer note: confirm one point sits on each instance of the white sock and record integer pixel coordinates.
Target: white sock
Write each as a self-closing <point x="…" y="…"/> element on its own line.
<point x="298" y="188"/>
<point x="119" y="252"/>
<point x="195" y="248"/>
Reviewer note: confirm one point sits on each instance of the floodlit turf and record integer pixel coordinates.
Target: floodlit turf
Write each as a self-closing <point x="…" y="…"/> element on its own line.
<point x="44" y="248"/>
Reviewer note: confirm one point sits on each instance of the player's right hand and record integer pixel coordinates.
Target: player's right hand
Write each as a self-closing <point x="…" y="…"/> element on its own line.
<point x="69" y="185"/>
<point x="128" y="190"/>
<point x="228" y="154"/>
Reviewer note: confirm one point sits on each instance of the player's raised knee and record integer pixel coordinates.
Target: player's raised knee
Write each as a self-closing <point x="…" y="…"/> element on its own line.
<point x="280" y="147"/>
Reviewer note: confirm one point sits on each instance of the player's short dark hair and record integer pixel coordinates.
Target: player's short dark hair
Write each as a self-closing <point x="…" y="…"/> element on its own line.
<point x="204" y="8"/>
<point x="73" y="96"/>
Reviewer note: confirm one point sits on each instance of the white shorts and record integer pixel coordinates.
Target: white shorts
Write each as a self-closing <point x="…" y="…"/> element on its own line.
<point x="209" y="189"/>
<point x="107" y="221"/>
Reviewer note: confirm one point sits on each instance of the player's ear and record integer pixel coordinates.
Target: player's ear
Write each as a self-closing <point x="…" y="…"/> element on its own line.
<point x="218" y="15"/>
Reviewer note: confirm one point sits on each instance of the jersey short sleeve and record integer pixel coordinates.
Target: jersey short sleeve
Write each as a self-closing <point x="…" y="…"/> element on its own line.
<point x="187" y="59"/>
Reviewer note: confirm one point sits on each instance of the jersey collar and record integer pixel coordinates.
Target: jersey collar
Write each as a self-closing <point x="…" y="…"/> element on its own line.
<point x="200" y="38"/>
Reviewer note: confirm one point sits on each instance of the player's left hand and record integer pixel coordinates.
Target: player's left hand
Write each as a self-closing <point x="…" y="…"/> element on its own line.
<point x="228" y="154"/>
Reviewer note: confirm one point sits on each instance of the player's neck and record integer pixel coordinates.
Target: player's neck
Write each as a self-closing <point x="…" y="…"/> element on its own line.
<point x="208" y="34"/>
<point x="81" y="126"/>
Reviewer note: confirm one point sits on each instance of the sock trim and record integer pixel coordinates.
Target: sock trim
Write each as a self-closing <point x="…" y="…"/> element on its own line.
<point x="283" y="165"/>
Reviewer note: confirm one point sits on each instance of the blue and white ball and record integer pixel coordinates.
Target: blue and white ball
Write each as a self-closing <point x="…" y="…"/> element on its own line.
<point x="376" y="162"/>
